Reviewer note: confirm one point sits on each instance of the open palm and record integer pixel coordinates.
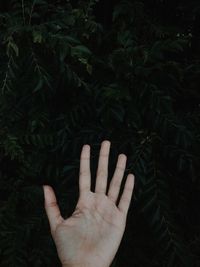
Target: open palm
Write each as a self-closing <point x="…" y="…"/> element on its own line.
<point x="92" y="235"/>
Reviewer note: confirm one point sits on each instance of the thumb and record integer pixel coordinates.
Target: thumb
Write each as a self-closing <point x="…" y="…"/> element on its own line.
<point x="51" y="207"/>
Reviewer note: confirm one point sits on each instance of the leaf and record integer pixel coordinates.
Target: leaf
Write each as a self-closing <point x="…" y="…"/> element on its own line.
<point x="68" y="168"/>
<point x="89" y="69"/>
<point x="149" y="204"/>
<point x="72" y="40"/>
<point x="156" y="51"/>
<point x="64" y="51"/>
<point x="39" y="85"/>
<point x="125" y="38"/>
<point x="37" y="37"/>
<point x="40" y="2"/>
<point x="80" y="50"/>
<point x="12" y="45"/>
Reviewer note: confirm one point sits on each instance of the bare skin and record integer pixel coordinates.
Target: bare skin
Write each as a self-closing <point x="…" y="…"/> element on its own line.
<point x="92" y="235"/>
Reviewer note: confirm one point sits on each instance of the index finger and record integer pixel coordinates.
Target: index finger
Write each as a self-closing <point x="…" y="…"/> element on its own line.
<point x="84" y="174"/>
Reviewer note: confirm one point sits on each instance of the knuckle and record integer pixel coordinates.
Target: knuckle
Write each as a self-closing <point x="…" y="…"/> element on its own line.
<point x="51" y="204"/>
<point x="121" y="169"/>
<point x="125" y="199"/>
<point x="104" y="155"/>
<point x="116" y="183"/>
<point x="83" y="173"/>
<point x="101" y="173"/>
<point x="84" y="158"/>
<point x="85" y="188"/>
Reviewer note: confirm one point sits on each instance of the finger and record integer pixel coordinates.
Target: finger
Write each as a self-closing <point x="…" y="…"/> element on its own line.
<point x="117" y="178"/>
<point x="102" y="171"/>
<point x="125" y="199"/>
<point x="51" y="207"/>
<point x="84" y="174"/>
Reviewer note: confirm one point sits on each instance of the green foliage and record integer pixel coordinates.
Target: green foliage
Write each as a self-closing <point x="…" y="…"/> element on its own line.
<point x="67" y="80"/>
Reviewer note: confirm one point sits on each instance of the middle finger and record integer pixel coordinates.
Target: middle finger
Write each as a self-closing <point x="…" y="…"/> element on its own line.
<point x="102" y="171"/>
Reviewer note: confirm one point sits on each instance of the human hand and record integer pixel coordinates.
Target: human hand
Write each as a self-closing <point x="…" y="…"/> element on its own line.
<point x="92" y="235"/>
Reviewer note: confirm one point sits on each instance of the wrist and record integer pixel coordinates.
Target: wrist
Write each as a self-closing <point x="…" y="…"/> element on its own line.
<point x="81" y="265"/>
<point x="77" y="265"/>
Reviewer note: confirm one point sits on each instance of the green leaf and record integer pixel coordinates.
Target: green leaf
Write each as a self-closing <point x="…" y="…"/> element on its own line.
<point x="72" y="40"/>
<point x="89" y="69"/>
<point x="12" y="45"/>
<point x="80" y="50"/>
<point x="39" y="85"/>
<point x="37" y="37"/>
<point x="68" y="168"/>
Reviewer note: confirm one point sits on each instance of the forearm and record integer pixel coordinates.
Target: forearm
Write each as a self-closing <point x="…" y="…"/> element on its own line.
<point x="85" y="264"/>
<point x="78" y="265"/>
<point x="74" y="266"/>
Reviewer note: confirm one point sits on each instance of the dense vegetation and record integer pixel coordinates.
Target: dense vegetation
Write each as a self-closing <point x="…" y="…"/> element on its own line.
<point x="77" y="72"/>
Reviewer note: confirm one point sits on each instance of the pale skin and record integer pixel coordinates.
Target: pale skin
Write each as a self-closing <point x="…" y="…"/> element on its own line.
<point x="92" y="235"/>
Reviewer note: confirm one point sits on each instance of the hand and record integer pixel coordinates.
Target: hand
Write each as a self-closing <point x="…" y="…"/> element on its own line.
<point x="92" y="235"/>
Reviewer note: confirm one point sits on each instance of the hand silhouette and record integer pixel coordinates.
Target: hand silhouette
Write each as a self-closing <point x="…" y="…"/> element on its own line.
<point x="92" y="235"/>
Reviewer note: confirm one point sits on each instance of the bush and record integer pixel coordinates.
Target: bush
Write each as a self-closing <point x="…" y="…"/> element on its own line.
<point x="68" y="79"/>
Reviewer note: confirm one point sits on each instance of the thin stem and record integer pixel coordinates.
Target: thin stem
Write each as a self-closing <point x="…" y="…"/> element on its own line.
<point x="31" y="12"/>
<point x="23" y="11"/>
<point x="6" y="76"/>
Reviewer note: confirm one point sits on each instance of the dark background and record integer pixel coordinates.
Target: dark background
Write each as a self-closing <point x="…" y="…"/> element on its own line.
<point x="80" y="72"/>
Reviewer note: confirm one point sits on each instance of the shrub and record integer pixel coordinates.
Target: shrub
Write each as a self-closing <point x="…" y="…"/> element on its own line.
<point x="68" y="79"/>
